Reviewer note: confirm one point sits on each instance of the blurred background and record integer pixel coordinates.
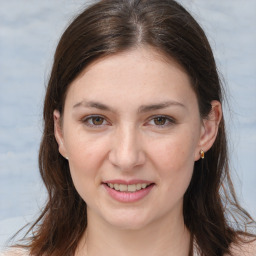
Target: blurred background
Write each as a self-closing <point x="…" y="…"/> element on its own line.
<point x="29" y="31"/>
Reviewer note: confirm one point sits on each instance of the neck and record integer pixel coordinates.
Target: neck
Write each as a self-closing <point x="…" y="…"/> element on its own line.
<point x="163" y="237"/>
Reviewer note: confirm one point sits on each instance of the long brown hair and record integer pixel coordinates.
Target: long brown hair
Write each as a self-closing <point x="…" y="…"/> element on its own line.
<point x="112" y="26"/>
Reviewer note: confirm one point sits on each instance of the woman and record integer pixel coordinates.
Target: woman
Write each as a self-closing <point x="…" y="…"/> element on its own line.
<point x="134" y="153"/>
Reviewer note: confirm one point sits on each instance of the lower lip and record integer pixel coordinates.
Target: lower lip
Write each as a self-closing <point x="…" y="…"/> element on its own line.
<point x="128" y="197"/>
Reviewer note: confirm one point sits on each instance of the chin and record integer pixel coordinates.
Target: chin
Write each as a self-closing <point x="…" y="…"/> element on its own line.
<point x="128" y="220"/>
<point x="129" y="225"/>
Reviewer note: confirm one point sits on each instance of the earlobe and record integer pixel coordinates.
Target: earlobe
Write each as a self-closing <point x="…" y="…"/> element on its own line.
<point x="209" y="129"/>
<point x="59" y="133"/>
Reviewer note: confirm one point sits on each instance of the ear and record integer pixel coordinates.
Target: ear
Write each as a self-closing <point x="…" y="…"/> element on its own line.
<point x="209" y="129"/>
<point x="59" y="133"/>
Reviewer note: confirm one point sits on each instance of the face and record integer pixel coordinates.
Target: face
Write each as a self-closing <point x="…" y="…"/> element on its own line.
<point x="131" y="130"/>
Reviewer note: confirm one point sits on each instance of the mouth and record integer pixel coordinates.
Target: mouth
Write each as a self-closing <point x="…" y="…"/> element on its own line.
<point x="128" y="191"/>
<point x="131" y="188"/>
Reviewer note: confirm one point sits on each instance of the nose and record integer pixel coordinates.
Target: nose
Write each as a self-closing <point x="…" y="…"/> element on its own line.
<point x="127" y="151"/>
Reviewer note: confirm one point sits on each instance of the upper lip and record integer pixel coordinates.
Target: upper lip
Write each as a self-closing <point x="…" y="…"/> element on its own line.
<point x="128" y="182"/>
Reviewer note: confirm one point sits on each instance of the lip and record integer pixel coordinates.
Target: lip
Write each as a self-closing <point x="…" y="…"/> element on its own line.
<point x="129" y="182"/>
<point x="128" y="197"/>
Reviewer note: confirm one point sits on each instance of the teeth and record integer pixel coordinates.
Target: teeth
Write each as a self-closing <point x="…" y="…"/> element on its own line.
<point x="138" y="186"/>
<point x="131" y="188"/>
<point x="123" y="187"/>
<point x="116" y="186"/>
<point x="128" y="188"/>
<point x="143" y="185"/>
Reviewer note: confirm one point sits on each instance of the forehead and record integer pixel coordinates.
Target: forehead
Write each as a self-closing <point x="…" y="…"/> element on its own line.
<point x="141" y="74"/>
<point x="146" y="57"/>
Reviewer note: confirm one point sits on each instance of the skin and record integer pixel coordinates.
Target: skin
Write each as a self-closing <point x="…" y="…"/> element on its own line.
<point x="127" y="142"/>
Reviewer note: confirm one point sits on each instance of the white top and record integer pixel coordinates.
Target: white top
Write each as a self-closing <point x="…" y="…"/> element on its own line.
<point x="15" y="252"/>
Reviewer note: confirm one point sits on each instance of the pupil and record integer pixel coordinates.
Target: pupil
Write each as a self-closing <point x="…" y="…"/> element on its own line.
<point x="160" y="120"/>
<point x="97" y="120"/>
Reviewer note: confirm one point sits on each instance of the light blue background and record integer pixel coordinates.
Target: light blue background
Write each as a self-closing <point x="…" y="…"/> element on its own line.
<point x="29" y="31"/>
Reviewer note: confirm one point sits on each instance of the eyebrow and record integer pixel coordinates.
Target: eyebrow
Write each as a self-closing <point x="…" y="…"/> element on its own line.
<point x="142" y="109"/>
<point x="93" y="104"/>
<point x="148" y="108"/>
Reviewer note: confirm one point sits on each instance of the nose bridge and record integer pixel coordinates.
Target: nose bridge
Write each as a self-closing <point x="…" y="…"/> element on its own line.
<point x="127" y="149"/>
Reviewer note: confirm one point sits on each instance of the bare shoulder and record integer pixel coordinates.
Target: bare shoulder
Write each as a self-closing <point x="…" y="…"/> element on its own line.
<point x="244" y="249"/>
<point x="15" y="252"/>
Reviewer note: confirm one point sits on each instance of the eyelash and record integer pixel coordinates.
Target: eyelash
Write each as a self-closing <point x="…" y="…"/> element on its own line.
<point x="88" y="118"/>
<point x="168" y="121"/>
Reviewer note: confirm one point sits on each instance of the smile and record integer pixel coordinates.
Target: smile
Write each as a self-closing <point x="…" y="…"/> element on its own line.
<point x="128" y="192"/>
<point x="128" y="188"/>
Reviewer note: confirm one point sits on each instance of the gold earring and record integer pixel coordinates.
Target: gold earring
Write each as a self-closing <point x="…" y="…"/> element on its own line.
<point x="202" y="154"/>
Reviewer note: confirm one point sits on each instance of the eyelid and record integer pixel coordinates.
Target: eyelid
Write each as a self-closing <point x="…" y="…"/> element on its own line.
<point x="85" y="119"/>
<point x="170" y="120"/>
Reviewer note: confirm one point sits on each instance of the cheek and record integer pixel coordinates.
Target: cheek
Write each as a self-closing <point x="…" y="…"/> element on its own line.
<point x="173" y="163"/>
<point x="173" y="159"/>
<point x="174" y="153"/>
<point x="85" y="159"/>
<point x="86" y="151"/>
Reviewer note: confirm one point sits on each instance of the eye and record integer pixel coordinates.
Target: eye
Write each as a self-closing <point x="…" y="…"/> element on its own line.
<point x="94" y="121"/>
<point x="161" y="121"/>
